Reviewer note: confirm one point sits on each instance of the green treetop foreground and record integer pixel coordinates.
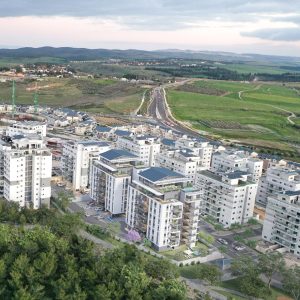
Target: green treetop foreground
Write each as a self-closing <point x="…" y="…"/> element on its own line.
<point x="49" y="261"/>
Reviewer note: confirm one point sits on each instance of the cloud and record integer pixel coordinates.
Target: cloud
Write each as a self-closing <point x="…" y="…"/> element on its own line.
<point x="149" y="14"/>
<point x="276" y="34"/>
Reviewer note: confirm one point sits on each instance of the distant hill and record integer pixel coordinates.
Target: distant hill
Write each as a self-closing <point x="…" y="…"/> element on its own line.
<point x="69" y="54"/>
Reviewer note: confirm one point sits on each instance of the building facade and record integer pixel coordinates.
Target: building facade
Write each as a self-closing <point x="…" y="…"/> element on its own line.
<point x="233" y="160"/>
<point x="76" y="161"/>
<point x="181" y="161"/>
<point x="27" y="170"/>
<point x="228" y="198"/>
<point x="282" y="221"/>
<point x="27" y="127"/>
<point x="146" y="147"/>
<point x="154" y="208"/>
<point x="110" y="177"/>
<point x="277" y="180"/>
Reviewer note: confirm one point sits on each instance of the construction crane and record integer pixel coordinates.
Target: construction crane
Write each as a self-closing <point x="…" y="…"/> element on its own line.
<point x="36" y="100"/>
<point x="13" y="99"/>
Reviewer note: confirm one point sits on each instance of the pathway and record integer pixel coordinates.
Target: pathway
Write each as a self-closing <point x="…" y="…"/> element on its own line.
<point x="289" y="118"/>
<point x="141" y="105"/>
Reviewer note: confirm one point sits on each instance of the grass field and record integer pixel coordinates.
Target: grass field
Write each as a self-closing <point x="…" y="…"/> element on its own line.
<point x="253" y="113"/>
<point x="115" y="70"/>
<point x="256" y="68"/>
<point x="96" y="95"/>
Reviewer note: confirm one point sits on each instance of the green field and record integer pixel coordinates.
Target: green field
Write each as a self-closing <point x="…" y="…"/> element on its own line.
<point x="96" y="95"/>
<point x="118" y="70"/>
<point x="11" y="62"/>
<point x="256" y="68"/>
<point x="257" y="115"/>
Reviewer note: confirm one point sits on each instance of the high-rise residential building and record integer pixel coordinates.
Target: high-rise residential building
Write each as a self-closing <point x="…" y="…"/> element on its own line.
<point x="27" y="127"/>
<point x="26" y="170"/>
<point x="76" y="161"/>
<point x="282" y="221"/>
<point x="229" y="198"/>
<point x="110" y="177"/>
<point x="276" y="180"/>
<point x="192" y="200"/>
<point x="182" y="161"/>
<point x="199" y="147"/>
<point x="234" y="160"/>
<point x="161" y="209"/>
<point x="146" y="147"/>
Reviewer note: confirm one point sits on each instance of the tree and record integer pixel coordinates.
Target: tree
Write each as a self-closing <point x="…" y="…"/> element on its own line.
<point x="249" y="273"/>
<point x="209" y="273"/>
<point x="161" y="269"/>
<point x="291" y="282"/>
<point x="271" y="263"/>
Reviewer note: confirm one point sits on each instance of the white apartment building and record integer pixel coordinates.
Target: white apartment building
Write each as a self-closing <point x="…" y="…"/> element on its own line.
<point x="76" y="161"/>
<point x="234" y="160"/>
<point x="110" y="176"/>
<point x="154" y="208"/>
<point x="229" y="198"/>
<point x="277" y="180"/>
<point x="26" y="170"/>
<point x="146" y="147"/>
<point x="282" y="221"/>
<point x="27" y="127"/>
<point x="192" y="206"/>
<point x="199" y="147"/>
<point x="181" y="161"/>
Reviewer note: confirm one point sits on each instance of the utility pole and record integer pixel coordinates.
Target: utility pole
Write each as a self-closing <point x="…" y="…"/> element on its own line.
<point x="13" y="99"/>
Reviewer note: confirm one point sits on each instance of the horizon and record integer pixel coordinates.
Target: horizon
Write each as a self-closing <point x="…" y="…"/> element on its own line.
<point x="267" y="27"/>
<point x="152" y="50"/>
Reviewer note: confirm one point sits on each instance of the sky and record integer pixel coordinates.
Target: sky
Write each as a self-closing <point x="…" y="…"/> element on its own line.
<point x="242" y="26"/>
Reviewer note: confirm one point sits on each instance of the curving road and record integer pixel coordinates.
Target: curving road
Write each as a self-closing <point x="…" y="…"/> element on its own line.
<point x="158" y="110"/>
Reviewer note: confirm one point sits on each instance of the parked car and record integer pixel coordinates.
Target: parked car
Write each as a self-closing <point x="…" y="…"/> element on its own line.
<point x="239" y="247"/>
<point x="222" y="241"/>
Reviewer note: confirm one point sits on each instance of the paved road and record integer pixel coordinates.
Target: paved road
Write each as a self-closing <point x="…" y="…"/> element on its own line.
<point x="158" y="110"/>
<point x="229" y="236"/>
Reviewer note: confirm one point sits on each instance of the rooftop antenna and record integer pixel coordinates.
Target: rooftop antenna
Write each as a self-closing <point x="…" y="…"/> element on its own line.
<point x="13" y="99"/>
<point x="36" y="100"/>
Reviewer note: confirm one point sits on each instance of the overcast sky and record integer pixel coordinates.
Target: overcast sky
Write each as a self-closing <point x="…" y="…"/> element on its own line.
<point x="253" y="26"/>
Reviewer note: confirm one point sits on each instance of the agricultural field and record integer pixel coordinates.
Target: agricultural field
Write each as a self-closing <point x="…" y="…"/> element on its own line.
<point x="252" y="113"/>
<point x="95" y="95"/>
<point x="117" y="70"/>
<point x="257" y="68"/>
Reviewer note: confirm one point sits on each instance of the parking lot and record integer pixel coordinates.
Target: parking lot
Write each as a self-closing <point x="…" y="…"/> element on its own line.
<point x="229" y="237"/>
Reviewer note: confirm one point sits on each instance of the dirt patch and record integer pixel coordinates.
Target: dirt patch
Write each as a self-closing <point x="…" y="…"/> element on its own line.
<point x="283" y="298"/>
<point x="109" y="121"/>
<point x="44" y="87"/>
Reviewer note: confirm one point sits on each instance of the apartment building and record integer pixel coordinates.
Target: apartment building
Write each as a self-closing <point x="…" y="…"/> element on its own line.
<point x="229" y="198"/>
<point x="282" y="221"/>
<point x="154" y="208"/>
<point x="110" y="177"/>
<point x="27" y="127"/>
<point x="192" y="206"/>
<point x="276" y="180"/>
<point x="76" y="161"/>
<point x="146" y="147"/>
<point x="26" y="170"/>
<point x="233" y="160"/>
<point x="181" y="161"/>
<point x="199" y="147"/>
